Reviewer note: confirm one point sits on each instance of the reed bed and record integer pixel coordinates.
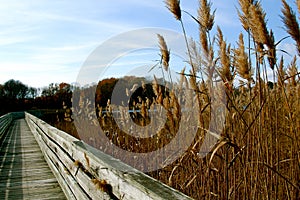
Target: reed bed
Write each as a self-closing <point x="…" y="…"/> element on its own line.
<point x="257" y="155"/>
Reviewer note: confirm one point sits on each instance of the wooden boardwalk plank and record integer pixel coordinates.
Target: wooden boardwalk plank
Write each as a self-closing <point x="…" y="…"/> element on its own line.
<point x="24" y="173"/>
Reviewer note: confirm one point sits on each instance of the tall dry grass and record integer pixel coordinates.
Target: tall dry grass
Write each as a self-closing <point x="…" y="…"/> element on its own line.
<point x="257" y="155"/>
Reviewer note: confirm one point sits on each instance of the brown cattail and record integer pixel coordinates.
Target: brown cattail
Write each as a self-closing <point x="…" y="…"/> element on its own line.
<point x="241" y="60"/>
<point x="205" y="17"/>
<point x="165" y="53"/>
<point x="290" y="22"/>
<point x="174" y="7"/>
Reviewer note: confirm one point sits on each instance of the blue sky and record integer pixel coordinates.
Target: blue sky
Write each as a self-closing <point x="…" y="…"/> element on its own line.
<point x="43" y="41"/>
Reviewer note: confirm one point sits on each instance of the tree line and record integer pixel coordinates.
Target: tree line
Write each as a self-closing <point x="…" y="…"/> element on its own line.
<point x="17" y="96"/>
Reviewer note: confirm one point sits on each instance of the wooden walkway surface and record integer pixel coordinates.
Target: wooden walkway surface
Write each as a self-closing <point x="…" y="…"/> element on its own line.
<point x="24" y="174"/>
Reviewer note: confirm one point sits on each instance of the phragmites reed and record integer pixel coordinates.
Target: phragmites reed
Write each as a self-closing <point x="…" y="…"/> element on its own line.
<point x="292" y="72"/>
<point x="205" y="17"/>
<point x="241" y="60"/>
<point x="224" y="55"/>
<point x="298" y="5"/>
<point x="220" y="37"/>
<point x="203" y="40"/>
<point x="281" y="73"/>
<point x="193" y="82"/>
<point x="183" y="79"/>
<point x="258" y="25"/>
<point x="206" y="21"/>
<point x="290" y="22"/>
<point x="257" y="155"/>
<point x="165" y="53"/>
<point x="174" y="7"/>
<point x="271" y="50"/>
<point x="245" y="16"/>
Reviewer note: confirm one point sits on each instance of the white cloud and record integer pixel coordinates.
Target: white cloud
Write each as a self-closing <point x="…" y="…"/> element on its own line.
<point x="15" y="40"/>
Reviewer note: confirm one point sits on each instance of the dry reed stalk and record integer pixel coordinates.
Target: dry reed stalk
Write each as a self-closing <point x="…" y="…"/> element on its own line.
<point x="259" y="31"/>
<point x="196" y="57"/>
<point x="271" y="50"/>
<point x="281" y="73"/>
<point x="267" y="164"/>
<point x="165" y="53"/>
<point x="205" y="16"/>
<point x="290" y="22"/>
<point x="206" y="20"/>
<point x="241" y="60"/>
<point x="204" y="40"/>
<point x="258" y="25"/>
<point x="245" y="16"/>
<point x="224" y="55"/>
<point x="292" y="71"/>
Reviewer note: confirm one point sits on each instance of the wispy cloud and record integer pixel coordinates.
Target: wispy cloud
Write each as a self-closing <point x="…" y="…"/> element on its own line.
<point x="48" y="41"/>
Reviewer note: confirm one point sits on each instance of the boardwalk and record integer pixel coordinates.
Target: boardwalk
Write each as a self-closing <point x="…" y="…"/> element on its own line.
<point x="24" y="174"/>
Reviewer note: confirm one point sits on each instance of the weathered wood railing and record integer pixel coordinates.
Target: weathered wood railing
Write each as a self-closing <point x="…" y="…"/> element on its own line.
<point x="86" y="173"/>
<point x="5" y="122"/>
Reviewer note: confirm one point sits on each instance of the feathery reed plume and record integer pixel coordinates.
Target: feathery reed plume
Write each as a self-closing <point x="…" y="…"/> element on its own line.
<point x="290" y="22"/>
<point x="271" y="50"/>
<point x="196" y="57"/>
<point x="258" y="25"/>
<point x="206" y="20"/>
<point x="182" y="77"/>
<point x="205" y="17"/>
<point x="224" y="54"/>
<point x="298" y="5"/>
<point x="292" y="72"/>
<point x="241" y="60"/>
<point x="203" y="40"/>
<point x="165" y="53"/>
<point x="220" y="37"/>
<point x="193" y="82"/>
<point x="210" y="65"/>
<point x="245" y="16"/>
<point x="281" y="73"/>
<point x="174" y="7"/>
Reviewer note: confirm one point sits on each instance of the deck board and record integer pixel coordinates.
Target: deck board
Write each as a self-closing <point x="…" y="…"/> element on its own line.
<point x="24" y="174"/>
